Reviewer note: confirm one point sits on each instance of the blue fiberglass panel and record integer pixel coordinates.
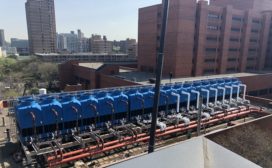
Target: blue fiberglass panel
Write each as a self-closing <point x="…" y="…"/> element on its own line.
<point x="71" y="108"/>
<point x="236" y="82"/>
<point x="106" y="105"/>
<point x="136" y="100"/>
<point x="148" y="99"/>
<point x="171" y="99"/>
<point x="228" y="82"/>
<point x="89" y="106"/>
<point x="163" y="98"/>
<point x="205" y="85"/>
<point x="29" y="115"/>
<point x="221" y="83"/>
<point x="51" y="111"/>
<point x="121" y="103"/>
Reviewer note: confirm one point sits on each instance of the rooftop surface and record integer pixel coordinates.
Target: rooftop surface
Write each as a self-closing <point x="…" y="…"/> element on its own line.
<point x="75" y="54"/>
<point x="91" y="65"/>
<point x="143" y="77"/>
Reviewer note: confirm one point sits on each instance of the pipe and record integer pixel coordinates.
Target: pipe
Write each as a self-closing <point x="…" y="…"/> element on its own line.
<point x="229" y="87"/>
<point x="178" y="100"/>
<point x="161" y="125"/>
<point x="216" y="94"/>
<point x="208" y="96"/>
<point x="142" y="139"/>
<point x="244" y="93"/>
<point x="219" y="116"/>
<point x="188" y="100"/>
<point x="112" y="111"/>
<point x="198" y="97"/>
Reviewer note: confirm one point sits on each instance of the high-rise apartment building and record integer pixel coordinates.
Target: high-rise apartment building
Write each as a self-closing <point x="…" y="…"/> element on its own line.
<point x="41" y="26"/>
<point x="224" y="36"/>
<point x="100" y="45"/>
<point x="2" y="38"/>
<point x="72" y="42"/>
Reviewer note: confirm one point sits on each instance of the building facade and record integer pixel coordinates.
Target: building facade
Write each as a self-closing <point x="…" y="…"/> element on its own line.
<point x="2" y="38"/>
<point x="21" y="46"/>
<point x="100" y="44"/>
<point x="224" y="36"/>
<point x="41" y="25"/>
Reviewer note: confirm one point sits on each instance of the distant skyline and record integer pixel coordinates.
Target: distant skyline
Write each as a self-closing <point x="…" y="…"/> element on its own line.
<point x="116" y="19"/>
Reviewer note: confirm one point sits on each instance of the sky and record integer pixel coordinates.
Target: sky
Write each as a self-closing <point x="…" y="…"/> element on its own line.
<point x="117" y="19"/>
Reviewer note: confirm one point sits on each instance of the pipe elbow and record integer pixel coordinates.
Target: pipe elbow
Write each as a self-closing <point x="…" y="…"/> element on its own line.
<point x="206" y="115"/>
<point x="161" y="125"/>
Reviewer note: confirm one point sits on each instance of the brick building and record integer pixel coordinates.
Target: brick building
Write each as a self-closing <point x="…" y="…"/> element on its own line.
<point x="224" y="36"/>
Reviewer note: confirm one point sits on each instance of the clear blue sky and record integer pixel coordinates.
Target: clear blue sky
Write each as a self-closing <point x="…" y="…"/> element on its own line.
<point x="118" y="19"/>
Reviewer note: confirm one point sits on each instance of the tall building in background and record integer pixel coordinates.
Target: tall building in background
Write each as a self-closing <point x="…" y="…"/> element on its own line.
<point x="72" y="42"/>
<point x="2" y="38"/>
<point x="41" y="26"/>
<point x="100" y="45"/>
<point x="224" y="36"/>
<point x="21" y="45"/>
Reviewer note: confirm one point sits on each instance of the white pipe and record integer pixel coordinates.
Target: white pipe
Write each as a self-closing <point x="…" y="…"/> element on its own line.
<point x="244" y="94"/>
<point x="161" y="125"/>
<point x="216" y="94"/>
<point x="229" y="87"/>
<point x="198" y="97"/>
<point x="224" y="92"/>
<point x="188" y="100"/>
<point x="178" y="100"/>
<point x="208" y="96"/>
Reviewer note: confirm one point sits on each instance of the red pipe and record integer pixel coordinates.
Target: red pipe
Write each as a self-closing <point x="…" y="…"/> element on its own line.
<point x="77" y="157"/>
<point x="141" y="135"/>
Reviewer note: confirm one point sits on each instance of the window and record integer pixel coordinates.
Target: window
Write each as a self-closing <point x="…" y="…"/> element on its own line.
<point x="212" y="39"/>
<point x="253" y="93"/>
<point x="253" y="40"/>
<point x="256" y="21"/>
<point x="233" y="29"/>
<point x="231" y="69"/>
<point x="209" y="71"/>
<point x="255" y="31"/>
<point x="232" y="59"/>
<point x="212" y="60"/>
<point x="251" y="59"/>
<point x="212" y="27"/>
<point x="237" y="18"/>
<point x="211" y="49"/>
<point x="234" y="39"/>
<point x="252" y="49"/>
<point x="250" y="68"/>
<point x="213" y="16"/>
<point x="263" y="92"/>
<point x="234" y="49"/>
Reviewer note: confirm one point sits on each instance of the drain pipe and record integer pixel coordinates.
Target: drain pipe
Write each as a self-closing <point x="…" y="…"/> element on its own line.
<point x="188" y="99"/>
<point x="216" y="93"/>
<point x="178" y="100"/>
<point x="198" y="98"/>
<point x="244" y="93"/>
<point x="208" y="96"/>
